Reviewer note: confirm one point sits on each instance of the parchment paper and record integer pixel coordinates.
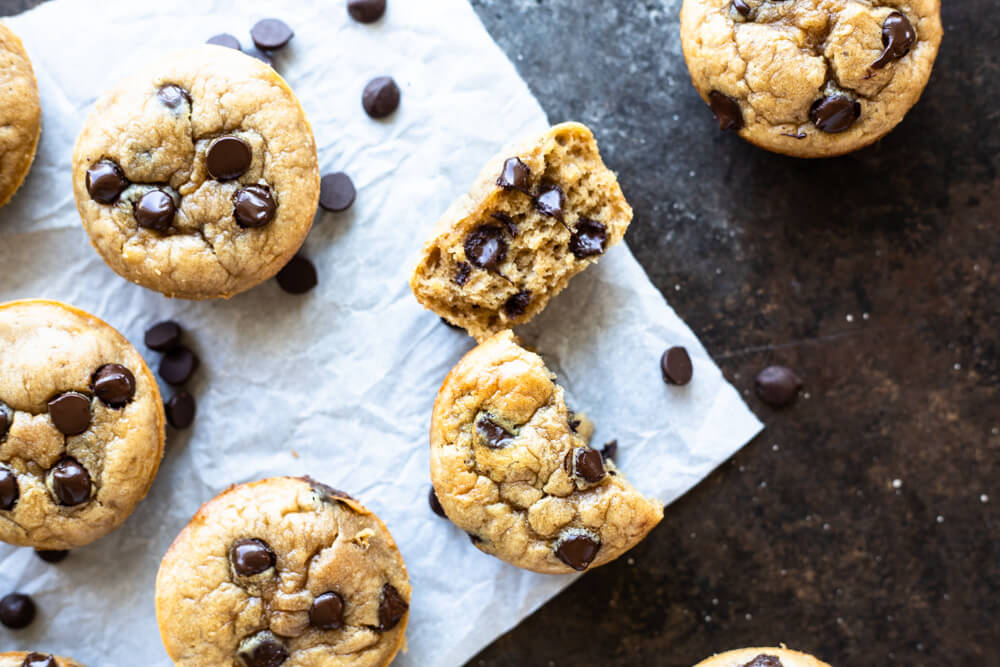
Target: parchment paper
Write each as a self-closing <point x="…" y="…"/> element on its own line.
<point x="339" y="383"/>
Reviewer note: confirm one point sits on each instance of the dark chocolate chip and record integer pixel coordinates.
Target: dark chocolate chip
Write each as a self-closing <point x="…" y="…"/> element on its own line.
<point x="462" y="274"/>
<point x="898" y="37"/>
<point x="588" y="464"/>
<point x="17" y="611"/>
<point x="328" y="492"/>
<point x="173" y="96"/>
<point x="516" y="305"/>
<point x="163" y="336"/>
<point x="550" y="202"/>
<point x="366" y="11"/>
<point x="492" y="434"/>
<point x="270" y="34"/>
<point x="391" y="608"/>
<point x="764" y="661"/>
<point x="336" y="192"/>
<point x="508" y="222"/>
<point x="610" y="450"/>
<point x="475" y="539"/>
<point x="515" y="175"/>
<point x="251" y="556"/>
<point x="486" y="248"/>
<point x="452" y="326"/>
<point x="39" y="660"/>
<point x="9" y="490"/>
<point x="70" y="412"/>
<point x="577" y="550"/>
<point x="155" y="210"/>
<point x="262" y="650"/>
<point x="69" y="482"/>
<point x="298" y="276"/>
<point x="727" y="111"/>
<point x="178" y="365"/>
<point x="105" y="181"/>
<point x="228" y="157"/>
<point x="327" y="611"/>
<point x="435" y="504"/>
<point x="263" y="56"/>
<point x="254" y="206"/>
<point x="52" y="555"/>
<point x="114" y="385"/>
<point x="835" y="113"/>
<point x="777" y="385"/>
<point x="589" y="239"/>
<point x="676" y="366"/>
<point x="381" y="97"/>
<point x="6" y="418"/>
<point x="226" y="40"/>
<point x="180" y="410"/>
<point x="742" y="7"/>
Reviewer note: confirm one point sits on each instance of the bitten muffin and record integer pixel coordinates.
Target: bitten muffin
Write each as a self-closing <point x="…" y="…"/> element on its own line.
<point x="538" y="215"/>
<point x="283" y="572"/>
<point x="81" y="426"/>
<point x="20" y="114"/>
<point x="810" y="78"/>
<point x="512" y="466"/>
<point x="20" y="659"/>
<point x="762" y="657"/>
<point x="197" y="176"/>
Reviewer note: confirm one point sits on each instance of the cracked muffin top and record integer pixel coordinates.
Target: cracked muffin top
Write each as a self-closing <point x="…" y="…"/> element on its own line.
<point x="810" y="78"/>
<point x="20" y="114"/>
<point x="762" y="657"/>
<point x="22" y="659"/>
<point x="197" y="176"/>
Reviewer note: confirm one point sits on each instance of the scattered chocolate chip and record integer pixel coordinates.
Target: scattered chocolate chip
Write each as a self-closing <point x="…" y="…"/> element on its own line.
<point x="114" y="385"/>
<point x="298" y="276"/>
<point x="835" y="113"/>
<point x="39" y="660"/>
<point x="9" y="490"/>
<point x="486" y="248"/>
<point x="742" y="7"/>
<point x="327" y="611"/>
<point x="105" y="181"/>
<point x="17" y="611"/>
<point x="514" y="175"/>
<point x="336" y="192"/>
<point x="228" y="157"/>
<point x="173" y="96"/>
<point x="391" y="608"/>
<point x="52" y="555"/>
<point x="727" y="111"/>
<point x="578" y="550"/>
<point x="589" y="239"/>
<point x="263" y="56"/>
<point x="777" y="385"/>
<point x="164" y="336"/>
<point x="588" y="464"/>
<point x="381" y="97"/>
<point x="70" y="412"/>
<point x="270" y="34"/>
<point x="6" y="418"/>
<point x="254" y="206"/>
<point x="610" y="450"/>
<point x="516" y="305"/>
<point x="764" y="661"/>
<point x="261" y="650"/>
<point x="550" y="202"/>
<point x="435" y="504"/>
<point x="155" y="210"/>
<point x="180" y="410"/>
<point x="178" y="365"/>
<point x="493" y="435"/>
<point x="226" y="40"/>
<point x="251" y="556"/>
<point x="898" y="37"/>
<point x="676" y="366"/>
<point x="508" y="222"/>
<point x="69" y="482"/>
<point x="366" y="11"/>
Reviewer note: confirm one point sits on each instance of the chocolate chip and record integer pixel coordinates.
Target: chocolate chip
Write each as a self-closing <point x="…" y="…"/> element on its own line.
<point x="463" y="272"/>
<point x="39" y="660"/>
<point x="336" y="192"/>
<point x="727" y="111"/>
<point x="492" y="434"/>
<point x="155" y="210"/>
<point x="52" y="555"/>
<point x="742" y="7"/>
<point x="516" y="305"/>
<point x="550" y="202"/>
<point x="508" y="222"/>
<point x="578" y="550"/>
<point x="835" y="113"/>
<point x="178" y="365"/>
<point x="228" y="157"/>
<point x="676" y="366"/>
<point x="898" y="37"/>
<point x="764" y="661"/>
<point x="451" y="326"/>
<point x="514" y="175"/>
<point x="254" y="206"/>
<point x="328" y="492"/>
<point x="589" y="239"/>
<point x="261" y="650"/>
<point x="180" y="410"/>
<point x="114" y="385"/>
<point x="251" y="556"/>
<point x="163" y="336"/>
<point x="327" y="611"/>
<point x="475" y="539"/>
<point x="435" y="504"/>
<point x="263" y="56"/>
<point x="17" y="611"/>
<point x="6" y="418"/>
<point x="70" y="412"/>
<point x="486" y="248"/>
<point x="105" y="181"/>
<point x="366" y="11"/>
<point x="226" y="40"/>
<point x="777" y="385"/>
<point x="271" y="34"/>
<point x="381" y="97"/>
<point x="69" y="482"/>
<point x="173" y="96"/>
<point x="610" y="450"/>
<point x="588" y="465"/>
<point x="298" y="276"/>
<point x="573" y="422"/>
<point x="9" y="490"/>
<point x="391" y="608"/>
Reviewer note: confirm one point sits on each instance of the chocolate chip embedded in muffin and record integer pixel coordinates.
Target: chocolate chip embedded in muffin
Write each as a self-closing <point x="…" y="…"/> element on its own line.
<point x="898" y="37"/>
<point x="381" y="97"/>
<point x="6" y="417"/>
<point x="727" y="111"/>
<point x="462" y="273"/>
<point x="486" y="248"/>
<point x="835" y="113"/>
<point x="435" y="504"/>
<point x="492" y="434"/>
<point x="515" y="175"/>
<point x="69" y="482"/>
<point x="114" y="385"/>
<point x="590" y="239"/>
<point x="676" y="367"/>
<point x="228" y="158"/>
<point x="105" y="181"/>
<point x="263" y="649"/>
<point x="588" y="465"/>
<point x="327" y="611"/>
<point x="577" y="549"/>
<point x="254" y="206"/>
<point x="174" y="97"/>
<point x="550" y="201"/>
<point x="764" y="661"/>
<point x="155" y="210"/>
<point x="17" y="610"/>
<point x="251" y="556"/>
<point x="391" y="608"/>
<point x="9" y="489"/>
<point x="70" y="413"/>
<point x="518" y="304"/>
<point x="39" y="660"/>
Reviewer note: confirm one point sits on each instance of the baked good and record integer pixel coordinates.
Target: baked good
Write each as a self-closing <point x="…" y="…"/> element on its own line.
<point x="35" y="659"/>
<point x="810" y="78"/>
<point x="20" y="114"/>
<point x="197" y="176"/>
<point x="540" y="213"/>
<point x="762" y="657"/>
<point x="512" y="466"/>
<point x="283" y="571"/>
<point x="81" y="426"/>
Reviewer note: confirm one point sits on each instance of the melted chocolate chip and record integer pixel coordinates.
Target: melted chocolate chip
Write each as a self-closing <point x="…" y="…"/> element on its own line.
<point x="336" y="192"/>
<point x="261" y="650"/>
<point x="69" y="482"/>
<point x="327" y="611"/>
<point x="462" y="274"/>
<point x="835" y="113"/>
<point x="227" y="158"/>
<point x="577" y="550"/>
<point x="610" y="450"/>
<point x="328" y="493"/>
<point x="676" y="366"/>
<point x="39" y="660"/>
<point x="174" y="97"/>
<point x="550" y="202"/>
<point x="70" y="412"/>
<point x="514" y="175"/>
<point x="155" y="210"/>
<point x="516" y="305"/>
<point x="589" y="239"/>
<point x="381" y="97"/>
<point x="777" y="385"/>
<point x="251" y="556"/>
<point x="742" y="7"/>
<point x="270" y="34"/>
<point x="17" y="610"/>
<point x="164" y="336"/>
<point x="898" y="37"/>
<point x="178" y="365"/>
<point x="588" y="464"/>
<point x="366" y="11"/>
<point x="492" y="434"/>
<point x="727" y="111"/>
<point x="764" y="661"/>
<point x="114" y="385"/>
<point x="105" y="181"/>
<point x="254" y="206"/>
<point x="508" y="222"/>
<point x="52" y="555"/>
<point x="6" y="418"/>
<point x="435" y="504"/>
<point x="298" y="276"/>
<point x="225" y="40"/>
<point x="180" y="410"/>
<point x="486" y="248"/>
<point x="9" y="490"/>
<point x="391" y="608"/>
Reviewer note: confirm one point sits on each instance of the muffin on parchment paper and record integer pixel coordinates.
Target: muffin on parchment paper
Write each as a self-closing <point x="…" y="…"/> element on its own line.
<point x="20" y="114"/>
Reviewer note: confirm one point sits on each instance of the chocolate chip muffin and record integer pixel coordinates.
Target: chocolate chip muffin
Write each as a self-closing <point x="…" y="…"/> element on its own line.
<point x="810" y="78"/>
<point x="197" y="176"/>
<point x="282" y="572"/>
<point x="19" y="659"/>
<point x="762" y="657"/>
<point x="538" y="215"/>
<point x="512" y="466"/>
<point x="20" y="114"/>
<point x="81" y="426"/>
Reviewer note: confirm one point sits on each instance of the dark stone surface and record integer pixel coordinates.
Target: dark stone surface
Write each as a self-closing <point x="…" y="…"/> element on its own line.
<point x="875" y="276"/>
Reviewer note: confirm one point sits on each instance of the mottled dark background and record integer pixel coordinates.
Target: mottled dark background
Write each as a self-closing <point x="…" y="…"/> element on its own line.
<point x="862" y="524"/>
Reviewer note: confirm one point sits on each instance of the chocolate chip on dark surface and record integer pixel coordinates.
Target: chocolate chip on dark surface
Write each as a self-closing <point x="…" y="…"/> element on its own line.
<point x="173" y="96"/>
<point x="486" y="248"/>
<point x="327" y="611"/>
<point x="515" y="175"/>
<point x="507" y="221"/>
<point x="777" y="385"/>
<point x="589" y="239"/>
<point x="39" y="660"/>
<point x="180" y="409"/>
<point x="228" y="157"/>
<point x="254" y="206"/>
<point x="155" y="210"/>
<point x="105" y="181"/>
<point x="9" y="490"/>
<point x="178" y="365"/>
<point x="577" y="550"/>
<point x="381" y="97"/>
<point x="610" y="450"/>
<point x="516" y="305"/>
<point x="17" y="610"/>
<point x="251" y="556"/>
<point x="114" y="385"/>
<point x="163" y="336"/>
<point x="52" y="555"/>
<point x="6" y="418"/>
<point x="366" y="11"/>
<point x="69" y="482"/>
<point x="550" y="202"/>
<point x="391" y="608"/>
<point x="298" y="276"/>
<point x="835" y="113"/>
<point x="336" y="192"/>
<point x="492" y="434"/>
<point x="271" y="34"/>
<point x="263" y="649"/>
<point x="70" y="412"/>
<point x="463" y="273"/>
<point x="225" y="40"/>
<point x="727" y="111"/>
<point x="588" y="464"/>
<point x="764" y="661"/>
<point x="898" y="37"/>
<point x="435" y="504"/>
<point x="742" y="7"/>
<point x="676" y="366"/>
